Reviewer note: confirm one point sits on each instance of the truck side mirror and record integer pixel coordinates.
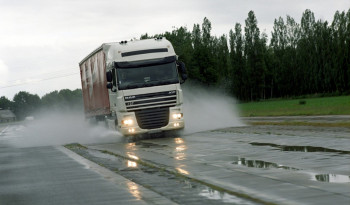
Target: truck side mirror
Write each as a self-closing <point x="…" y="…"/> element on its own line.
<point x="110" y="86"/>
<point x="109" y="76"/>
<point x="182" y="71"/>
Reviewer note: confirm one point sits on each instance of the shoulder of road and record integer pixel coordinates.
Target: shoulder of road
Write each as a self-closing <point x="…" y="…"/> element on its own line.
<point x="319" y="121"/>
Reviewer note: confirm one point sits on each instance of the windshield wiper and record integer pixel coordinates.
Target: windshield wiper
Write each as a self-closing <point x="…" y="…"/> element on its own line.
<point x="153" y="83"/>
<point x="130" y="86"/>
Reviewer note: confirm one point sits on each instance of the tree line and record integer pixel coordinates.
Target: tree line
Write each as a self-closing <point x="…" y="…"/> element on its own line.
<point x="26" y="104"/>
<point x="310" y="57"/>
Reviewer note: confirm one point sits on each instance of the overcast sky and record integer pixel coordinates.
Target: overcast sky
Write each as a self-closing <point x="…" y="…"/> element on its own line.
<point x="42" y="41"/>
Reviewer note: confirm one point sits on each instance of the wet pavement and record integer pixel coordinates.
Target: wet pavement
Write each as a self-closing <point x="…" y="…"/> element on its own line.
<point x="55" y="175"/>
<point x="274" y="164"/>
<point x="262" y="164"/>
<point x="179" y="189"/>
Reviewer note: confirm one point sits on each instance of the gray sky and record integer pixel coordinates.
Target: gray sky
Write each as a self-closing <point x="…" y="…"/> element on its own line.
<point x="42" y="42"/>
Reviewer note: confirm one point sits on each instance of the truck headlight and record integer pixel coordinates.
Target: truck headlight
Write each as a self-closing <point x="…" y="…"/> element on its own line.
<point x="127" y="122"/>
<point x="177" y="115"/>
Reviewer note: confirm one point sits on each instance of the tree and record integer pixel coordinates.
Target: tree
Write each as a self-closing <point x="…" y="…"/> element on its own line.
<point x="290" y="58"/>
<point x="285" y="68"/>
<point x="206" y="64"/>
<point x="5" y="103"/>
<point x="340" y="31"/>
<point x="305" y="49"/>
<point x="63" y="100"/>
<point x="221" y="60"/>
<point x="237" y="74"/>
<point x="182" y="42"/>
<point x="25" y="104"/>
<point x="347" y="50"/>
<point x="254" y="56"/>
<point x="197" y="47"/>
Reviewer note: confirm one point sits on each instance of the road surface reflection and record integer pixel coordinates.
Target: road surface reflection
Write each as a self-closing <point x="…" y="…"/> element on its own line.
<point x="134" y="190"/>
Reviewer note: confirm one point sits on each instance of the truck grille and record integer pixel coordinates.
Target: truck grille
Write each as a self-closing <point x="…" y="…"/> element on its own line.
<point x="152" y="118"/>
<point x="152" y="109"/>
<point x="150" y="100"/>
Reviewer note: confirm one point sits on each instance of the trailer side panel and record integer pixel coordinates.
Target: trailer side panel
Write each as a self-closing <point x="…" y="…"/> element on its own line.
<point x="93" y="81"/>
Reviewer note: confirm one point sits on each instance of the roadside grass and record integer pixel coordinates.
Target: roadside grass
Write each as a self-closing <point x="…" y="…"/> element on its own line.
<point x="339" y="105"/>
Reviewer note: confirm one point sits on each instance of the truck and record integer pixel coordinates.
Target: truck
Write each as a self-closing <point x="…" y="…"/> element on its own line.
<point x="134" y="86"/>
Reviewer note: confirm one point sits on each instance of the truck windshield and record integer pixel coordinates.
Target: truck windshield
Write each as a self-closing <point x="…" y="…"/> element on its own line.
<point x="147" y="76"/>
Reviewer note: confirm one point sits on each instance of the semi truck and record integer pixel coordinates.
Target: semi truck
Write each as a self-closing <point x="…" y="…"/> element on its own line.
<point x="134" y="86"/>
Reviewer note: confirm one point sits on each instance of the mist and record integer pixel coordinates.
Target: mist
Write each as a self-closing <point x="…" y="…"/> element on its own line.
<point x="204" y="109"/>
<point x="59" y="128"/>
<point x="208" y="109"/>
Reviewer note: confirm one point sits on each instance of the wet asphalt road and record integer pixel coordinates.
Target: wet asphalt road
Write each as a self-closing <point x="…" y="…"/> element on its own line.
<point x="276" y="164"/>
<point x="242" y="165"/>
<point x="54" y="175"/>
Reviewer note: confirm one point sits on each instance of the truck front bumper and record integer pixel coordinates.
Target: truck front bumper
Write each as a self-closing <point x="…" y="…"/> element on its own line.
<point x="135" y="130"/>
<point x="128" y="124"/>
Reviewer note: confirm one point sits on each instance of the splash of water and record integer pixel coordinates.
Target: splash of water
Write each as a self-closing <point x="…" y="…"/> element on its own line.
<point x="58" y="129"/>
<point x="208" y="109"/>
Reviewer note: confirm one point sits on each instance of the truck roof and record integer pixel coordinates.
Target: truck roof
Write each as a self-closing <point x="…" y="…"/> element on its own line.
<point x="135" y="50"/>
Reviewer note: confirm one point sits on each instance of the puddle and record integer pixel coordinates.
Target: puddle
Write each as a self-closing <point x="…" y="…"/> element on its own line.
<point x="331" y="178"/>
<point x="300" y="148"/>
<point x="224" y="197"/>
<point x="261" y="164"/>
<point x="122" y="164"/>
